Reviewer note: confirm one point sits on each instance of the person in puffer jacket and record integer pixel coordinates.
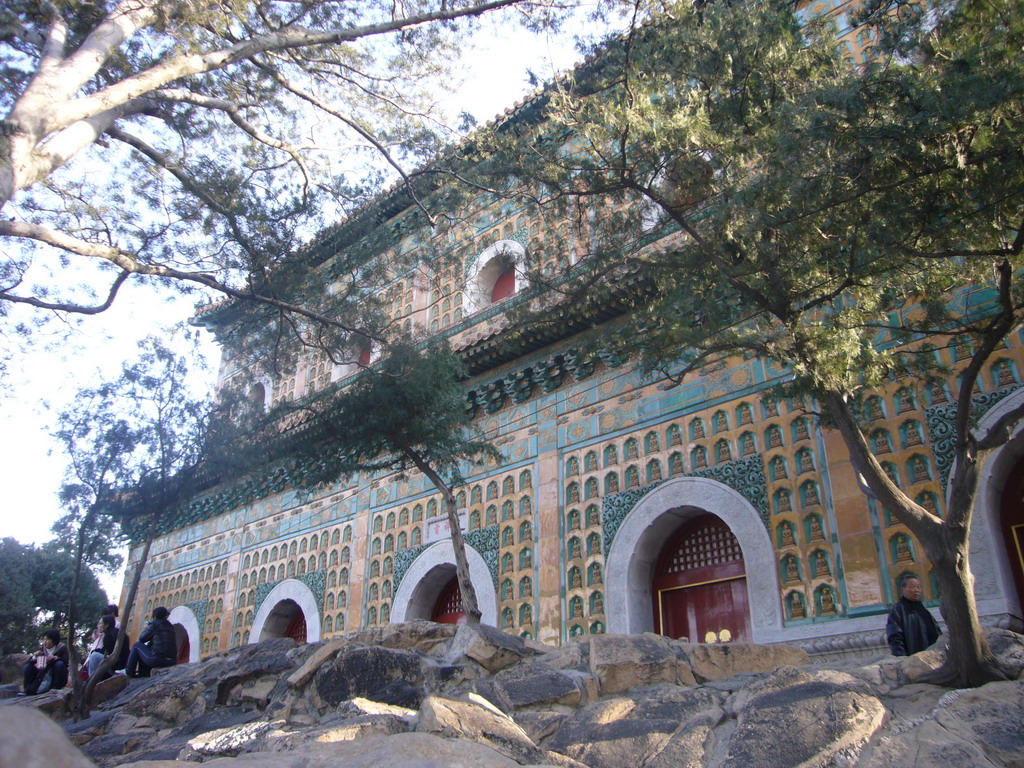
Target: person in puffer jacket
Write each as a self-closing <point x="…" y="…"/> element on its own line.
<point x="156" y="646"/>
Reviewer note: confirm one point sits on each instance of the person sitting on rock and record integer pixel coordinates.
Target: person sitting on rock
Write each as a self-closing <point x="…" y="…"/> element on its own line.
<point x="107" y="639"/>
<point x="51" y="660"/>
<point x="156" y="646"/>
<point x="911" y="628"/>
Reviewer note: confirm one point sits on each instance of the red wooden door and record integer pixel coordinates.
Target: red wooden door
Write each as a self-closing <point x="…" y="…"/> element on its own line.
<point x="700" y="585"/>
<point x="184" y="649"/>
<point x="1012" y="519"/>
<point x="448" y="608"/>
<point x="505" y="285"/>
<point x="297" y="627"/>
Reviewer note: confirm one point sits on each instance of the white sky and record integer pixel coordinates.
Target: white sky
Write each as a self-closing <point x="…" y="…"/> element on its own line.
<point x="40" y="381"/>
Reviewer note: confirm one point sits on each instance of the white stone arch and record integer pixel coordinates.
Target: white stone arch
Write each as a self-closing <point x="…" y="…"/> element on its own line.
<point x="485" y="270"/>
<point x="289" y="589"/>
<point x="427" y="576"/>
<point x="994" y="589"/>
<point x="634" y="553"/>
<point x="190" y="623"/>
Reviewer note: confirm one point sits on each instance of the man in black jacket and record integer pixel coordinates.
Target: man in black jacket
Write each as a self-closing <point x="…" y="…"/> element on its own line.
<point x="911" y="627"/>
<point x="156" y="647"/>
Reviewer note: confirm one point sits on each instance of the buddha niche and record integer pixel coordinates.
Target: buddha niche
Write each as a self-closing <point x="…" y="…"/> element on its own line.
<point x="903" y="553"/>
<point x="816" y="534"/>
<point x="828" y="605"/>
<point x="784" y="505"/>
<point x="913" y="433"/>
<point x="699" y="460"/>
<point x="796" y="609"/>
<point x="787" y="536"/>
<point x="801" y="430"/>
<point x="598" y="604"/>
<point x="811" y="495"/>
<point x="792" y="572"/>
<point x="770" y="408"/>
<point x="821" y="564"/>
<point x="747" y="445"/>
<point x="875" y="410"/>
<point x="575" y="579"/>
<point x="881" y="443"/>
<point x="774" y="438"/>
<point x="805" y="462"/>
<point x="1005" y="375"/>
<point x="919" y="469"/>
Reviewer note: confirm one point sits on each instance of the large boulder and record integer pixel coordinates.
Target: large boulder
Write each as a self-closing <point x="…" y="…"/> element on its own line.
<point x="718" y="661"/>
<point x="30" y="739"/>
<point x="379" y="674"/>
<point x="404" y="750"/>
<point x="993" y="718"/>
<point x="796" y="718"/>
<point x="627" y="731"/>
<point x="624" y="662"/>
<point x="536" y="684"/>
<point x="491" y="648"/>
<point x="477" y="720"/>
<point x="424" y="636"/>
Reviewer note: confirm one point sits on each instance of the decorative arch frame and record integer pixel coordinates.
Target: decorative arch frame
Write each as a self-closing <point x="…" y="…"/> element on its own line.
<point x="427" y="576"/>
<point x="994" y="589"/>
<point x="289" y="589"/>
<point x="634" y="552"/>
<point x="183" y="615"/>
<point x="484" y="271"/>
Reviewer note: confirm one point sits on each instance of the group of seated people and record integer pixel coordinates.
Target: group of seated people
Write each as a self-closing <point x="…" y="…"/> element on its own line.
<point x="47" y="669"/>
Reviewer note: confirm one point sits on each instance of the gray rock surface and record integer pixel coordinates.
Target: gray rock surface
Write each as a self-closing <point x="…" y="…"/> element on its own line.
<point x="423" y="695"/>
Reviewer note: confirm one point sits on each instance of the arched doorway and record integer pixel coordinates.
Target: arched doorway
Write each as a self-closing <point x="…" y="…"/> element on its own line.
<point x="286" y="619"/>
<point x="290" y="610"/>
<point x="186" y="633"/>
<point x="418" y="593"/>
<point x="448" y="608"/>
<point x="657" y="517"/>
<point x="181" y="640"/>
<point x="699" y="588"/>
<point x="1012" y="522"/>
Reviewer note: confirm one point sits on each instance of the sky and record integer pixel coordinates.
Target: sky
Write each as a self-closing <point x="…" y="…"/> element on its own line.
<point x="43" y="377"/>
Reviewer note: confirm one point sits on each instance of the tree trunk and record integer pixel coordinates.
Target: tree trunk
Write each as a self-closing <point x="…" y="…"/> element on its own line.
<point x="969" y="661"/>
<point x="469" y="601"/>
<point x="77" y="686"/>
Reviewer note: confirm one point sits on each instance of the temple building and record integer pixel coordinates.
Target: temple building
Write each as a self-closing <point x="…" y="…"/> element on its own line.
<point x="712" y="510"/>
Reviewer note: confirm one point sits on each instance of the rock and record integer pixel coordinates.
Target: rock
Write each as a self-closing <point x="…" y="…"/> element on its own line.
<point x="379" y="674"/>
<point x="718" y="661"/>
<point x="424" y="636"/>
<point x="532" y="684"/>
<point x="539" y="725"/>
<point x="569" y="656"/>
<point x="795" y="718"/>
<point x="10" y="690"/>
<point x="365" y="727"/>
<point x="1008" y="648"/>
<point x="991" y="716"/>
<point x="929" y="744"/>
<point x="359" y="707"/>
<point x="30" y="739"/>
<point x="319" y="657"/>
<point x="479" y="721"/>
<point x="117" y="744"/>
<point x="232" y="740"/>
<point x="921" y="664"/>
<point x="626" y="731"/>
<point x="491" y="648"/>
<point x="563" y="761"/>
<point x="165" y="699"/>
<point x="623" y="662"/>
<point x="270" y="657"/>
<point x="108" y="689"/>
<point x="405" y="750"/>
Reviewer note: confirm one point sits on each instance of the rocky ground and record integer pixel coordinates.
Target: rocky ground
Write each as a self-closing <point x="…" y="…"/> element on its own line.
<point x="424" y="695"/>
